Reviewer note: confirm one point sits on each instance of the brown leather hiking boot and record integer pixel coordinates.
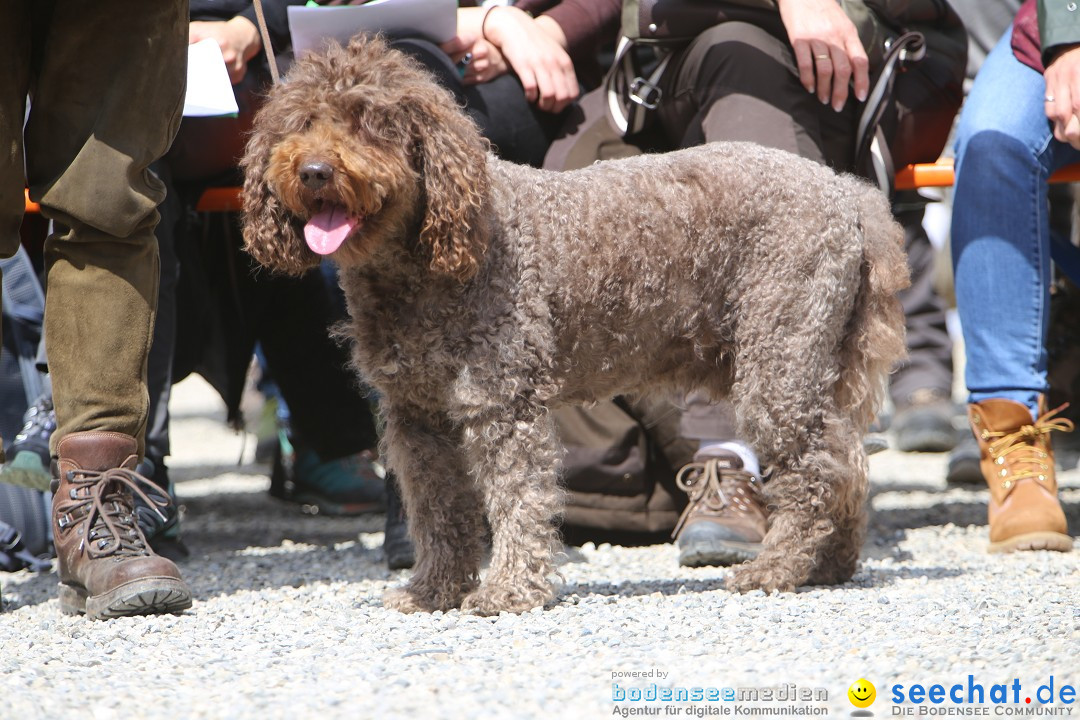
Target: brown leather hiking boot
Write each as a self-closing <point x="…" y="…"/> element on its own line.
<point x="1018" y="465"/>
<point x="726" y="519"/>
<point x="106" y="567"/>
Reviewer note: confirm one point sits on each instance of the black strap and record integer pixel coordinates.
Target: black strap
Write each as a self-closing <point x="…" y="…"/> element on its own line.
<point x="871" y="151"/>
<point x="14" y="555"/>
<point x="630" y="97"/>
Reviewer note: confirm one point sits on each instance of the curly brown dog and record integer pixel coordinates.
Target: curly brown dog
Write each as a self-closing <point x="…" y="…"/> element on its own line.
<point x="483" y="294"/>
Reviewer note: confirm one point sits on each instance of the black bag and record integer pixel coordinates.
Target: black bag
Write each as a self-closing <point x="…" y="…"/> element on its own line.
<point x="25" y="539"/>
<point x="917" y="51"/>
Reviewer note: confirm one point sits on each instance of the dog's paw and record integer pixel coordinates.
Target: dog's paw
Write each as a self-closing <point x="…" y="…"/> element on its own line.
<point x="832" y="572"/>
<point x="402" y="600"/>
<point x="764" y="574"/>
<point x="494" y="599"/>
<point x="423" y="597"/>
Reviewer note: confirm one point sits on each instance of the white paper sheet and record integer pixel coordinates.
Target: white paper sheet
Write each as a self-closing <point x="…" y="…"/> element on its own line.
<point x="312" y="28"/>
<point x="209" y="91"/>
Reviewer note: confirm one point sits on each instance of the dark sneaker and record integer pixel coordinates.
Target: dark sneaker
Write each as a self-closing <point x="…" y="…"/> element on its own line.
<point x="964" y="467"/>
<point x="874" y="443"/>
<point x="925" y="423"/>
<point x="30" y="461"/>
<point x="397" y="545"/>
<point x="352" y="485"/>
<point x="725" y="520"/>
<point x="160" y="524"/>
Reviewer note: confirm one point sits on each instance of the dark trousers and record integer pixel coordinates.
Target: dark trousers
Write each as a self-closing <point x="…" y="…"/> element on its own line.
<point x="929" y="364"/>
<point x="737" y="81"/>
<point x="107" y="85"/>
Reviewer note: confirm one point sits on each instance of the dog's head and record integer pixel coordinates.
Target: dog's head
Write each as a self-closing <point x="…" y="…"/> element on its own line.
<point x="357" y="146"/>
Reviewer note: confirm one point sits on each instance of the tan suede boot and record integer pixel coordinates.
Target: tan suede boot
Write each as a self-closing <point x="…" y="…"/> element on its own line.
<point x="106" y="567"/>
<point x="1018" y="465"/>
<point x="725" y="520"/>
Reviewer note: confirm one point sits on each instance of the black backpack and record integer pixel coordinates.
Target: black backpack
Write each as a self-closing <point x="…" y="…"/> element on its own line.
<point x="25" y="537"/>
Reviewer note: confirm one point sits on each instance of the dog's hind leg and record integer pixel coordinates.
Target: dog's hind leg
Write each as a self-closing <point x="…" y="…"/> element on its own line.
<point x="516" y="461"/>
<point x="817" y="521"/>
<point x="443" y="511"/>
<point x="792" y="407"/>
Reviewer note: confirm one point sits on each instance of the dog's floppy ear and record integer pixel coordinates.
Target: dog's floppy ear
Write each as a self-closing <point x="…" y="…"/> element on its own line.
<point x="270" y="234"/>
<point x="455" y="177"/>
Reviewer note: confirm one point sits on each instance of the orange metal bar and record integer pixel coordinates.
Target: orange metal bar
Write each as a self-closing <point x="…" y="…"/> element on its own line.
<point x="31" y="207"/>
<point x="911" y="177"/>
<point x="220" y="199"/>
<point x="940" y="174"/>
<point x="1070" y="173"/>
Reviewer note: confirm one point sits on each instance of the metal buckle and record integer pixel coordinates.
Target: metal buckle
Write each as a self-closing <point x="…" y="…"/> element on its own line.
<point x="9" y="538"/>
<point x="651" y="99"/>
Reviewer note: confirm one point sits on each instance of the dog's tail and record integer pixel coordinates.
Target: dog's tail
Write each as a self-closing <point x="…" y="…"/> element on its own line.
<point x="875" y="343"/>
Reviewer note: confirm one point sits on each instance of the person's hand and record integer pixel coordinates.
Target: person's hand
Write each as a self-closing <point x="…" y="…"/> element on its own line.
<point x="1063" y="96"/>
<point x="827" y="49"/>
<point x="505" y="38"/>
<point x="485" y="62"/>
<point x="238" y="39"/>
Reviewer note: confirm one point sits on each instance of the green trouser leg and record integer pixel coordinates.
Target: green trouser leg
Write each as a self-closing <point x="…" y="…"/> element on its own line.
<point x="99" y="321"/>
<point x="106" y="80"/>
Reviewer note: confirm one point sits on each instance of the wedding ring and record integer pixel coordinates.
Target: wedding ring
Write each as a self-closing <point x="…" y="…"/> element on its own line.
<point x="822" y="57"/>
<point x="1049" y="98"/>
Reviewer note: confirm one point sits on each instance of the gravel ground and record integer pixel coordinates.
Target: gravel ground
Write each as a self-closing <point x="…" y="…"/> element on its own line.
<point x="288" y="620"/>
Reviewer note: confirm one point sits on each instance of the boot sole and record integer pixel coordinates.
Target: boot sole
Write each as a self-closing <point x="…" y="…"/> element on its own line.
<point x="965" y="473"/>
<point x="327" y="506"/>
<point x="925" y="440"/>
<point x="1033" y="541"/>
<point x="719" y="553"/>
<point x="146" y="596"/>
<point x="400" y="558"/>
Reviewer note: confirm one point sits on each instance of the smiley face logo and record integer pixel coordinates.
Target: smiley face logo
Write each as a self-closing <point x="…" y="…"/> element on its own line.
<point x="862" y="693"/>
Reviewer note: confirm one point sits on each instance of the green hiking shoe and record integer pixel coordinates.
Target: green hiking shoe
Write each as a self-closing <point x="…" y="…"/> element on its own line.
<point x="30" y="459"/>
<point x="352" y="485"/>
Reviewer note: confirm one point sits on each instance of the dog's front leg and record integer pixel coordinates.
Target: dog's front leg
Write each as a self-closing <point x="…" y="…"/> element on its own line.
<point x="442" y="507"/>
<point x="515" y="461"/>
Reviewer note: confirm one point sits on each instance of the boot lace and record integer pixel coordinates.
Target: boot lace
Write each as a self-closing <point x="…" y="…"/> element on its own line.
<point x="705" y="483"/>
<point x="102" y="501"/>
<point x="1019" y="453"/>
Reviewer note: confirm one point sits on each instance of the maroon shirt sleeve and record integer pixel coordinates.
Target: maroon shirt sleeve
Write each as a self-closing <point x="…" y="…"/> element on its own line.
<point x="587" y="24"/>
<point x="1025" y="38"/>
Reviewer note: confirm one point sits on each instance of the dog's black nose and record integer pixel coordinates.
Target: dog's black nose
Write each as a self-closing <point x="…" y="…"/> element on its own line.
<point x="315" y="174"/>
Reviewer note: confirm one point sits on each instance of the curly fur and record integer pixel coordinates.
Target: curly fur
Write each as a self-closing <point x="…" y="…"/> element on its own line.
<point x="482" y="294"/>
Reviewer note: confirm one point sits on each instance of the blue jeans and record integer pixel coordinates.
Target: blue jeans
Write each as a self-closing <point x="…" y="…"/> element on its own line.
<point x="1005" y="154"/>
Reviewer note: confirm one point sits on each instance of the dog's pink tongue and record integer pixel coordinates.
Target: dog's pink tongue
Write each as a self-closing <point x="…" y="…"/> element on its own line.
<point x="326" y="230"/>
